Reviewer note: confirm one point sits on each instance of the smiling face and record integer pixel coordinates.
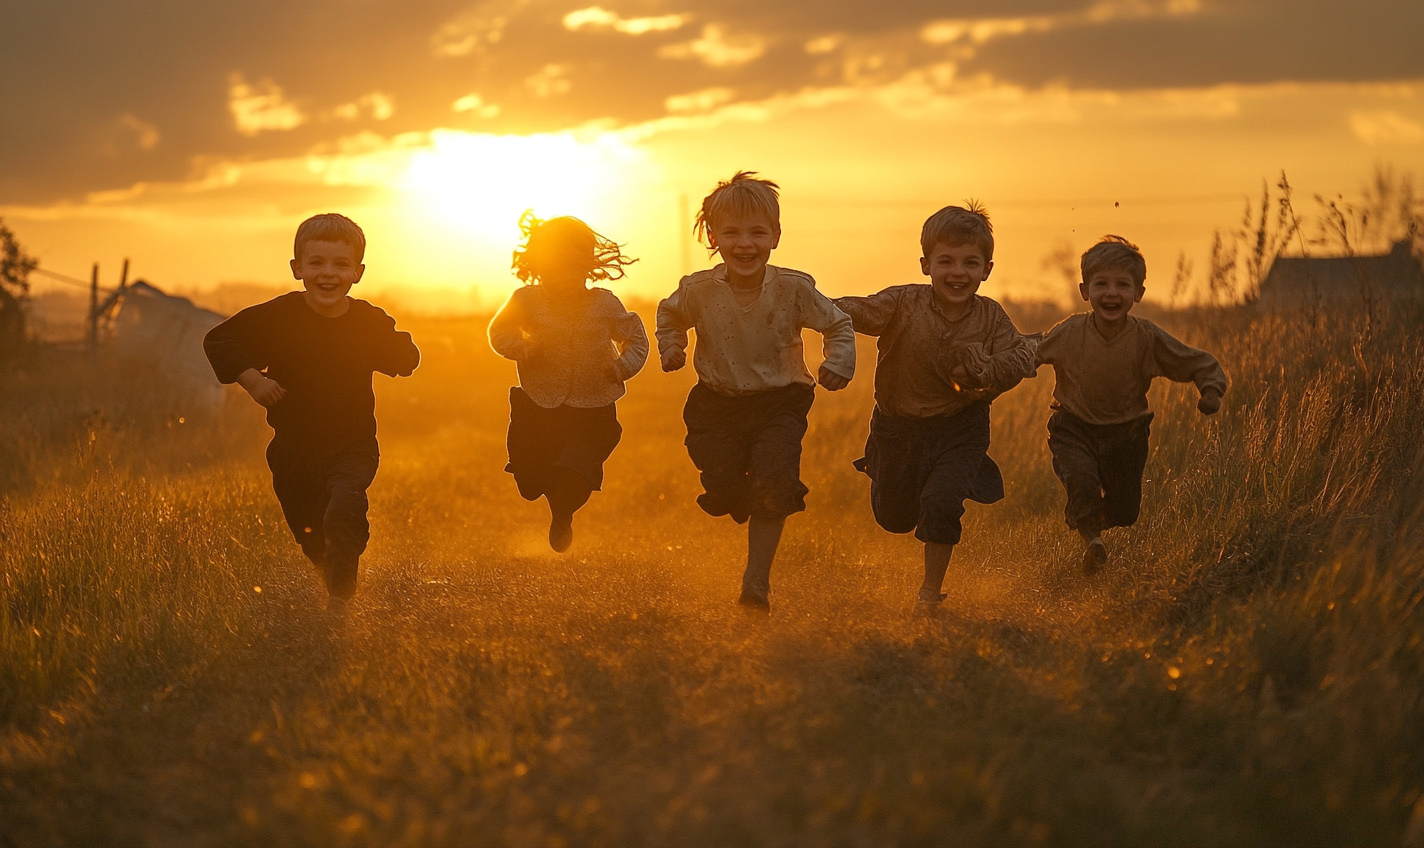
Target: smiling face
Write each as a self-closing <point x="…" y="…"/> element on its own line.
<point x="745" y="244"/>
<point x="955" y="272"/>
<point x="1112" y="292"/>
<point x="328" y="270"/>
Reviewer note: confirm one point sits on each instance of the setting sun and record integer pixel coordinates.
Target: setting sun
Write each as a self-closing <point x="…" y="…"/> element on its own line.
<point x="478" y="185"/>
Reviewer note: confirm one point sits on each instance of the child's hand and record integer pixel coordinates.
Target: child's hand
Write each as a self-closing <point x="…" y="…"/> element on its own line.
<point x="263" y="389"/>
<point x="673" y="358"/>
<point x="1210" y="402"/>
<point x="830" y="380"/>
<point x="964" y="383"/>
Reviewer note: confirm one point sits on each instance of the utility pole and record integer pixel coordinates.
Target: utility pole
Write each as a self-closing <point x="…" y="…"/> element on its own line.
<point x="92" y="343"/>
<point x="685" y="239"/>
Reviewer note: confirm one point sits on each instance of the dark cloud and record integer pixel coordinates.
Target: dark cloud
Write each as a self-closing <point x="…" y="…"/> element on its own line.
<point x="1247" y="43"/>
<point x="101" y="95"/>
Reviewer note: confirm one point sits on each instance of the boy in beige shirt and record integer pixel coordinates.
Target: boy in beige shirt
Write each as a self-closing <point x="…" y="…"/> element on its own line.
<point x="1103" y="364"/>
<point x="944" y="353"/>
<point x="747" y="414"/>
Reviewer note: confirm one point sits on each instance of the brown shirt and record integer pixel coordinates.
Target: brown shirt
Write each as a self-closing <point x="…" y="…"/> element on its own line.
<point x="1106" y="381"/>
<point x="919" y="347"/>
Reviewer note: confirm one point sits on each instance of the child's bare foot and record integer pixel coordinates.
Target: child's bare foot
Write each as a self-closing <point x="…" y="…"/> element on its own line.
<point x="1095" y="555"/>
<point x="928" y="602"/>
<point x="755" y="598"/>
<point x="561" y="532"/>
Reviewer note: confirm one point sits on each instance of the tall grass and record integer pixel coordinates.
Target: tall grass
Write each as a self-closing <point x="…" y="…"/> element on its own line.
<point x="1247" y="672"/>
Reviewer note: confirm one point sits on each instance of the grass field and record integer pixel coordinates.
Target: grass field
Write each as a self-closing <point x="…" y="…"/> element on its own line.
<point x="1249" y="671"/>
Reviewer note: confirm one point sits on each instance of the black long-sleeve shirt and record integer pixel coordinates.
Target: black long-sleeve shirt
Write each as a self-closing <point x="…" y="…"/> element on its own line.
<point x="325" y="364"/>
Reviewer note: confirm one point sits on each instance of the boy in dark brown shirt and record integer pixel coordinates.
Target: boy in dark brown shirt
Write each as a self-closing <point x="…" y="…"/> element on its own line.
<point x="308" y="358"/>
<point x="1103" y="363"/>
<point x="944" y="354"/>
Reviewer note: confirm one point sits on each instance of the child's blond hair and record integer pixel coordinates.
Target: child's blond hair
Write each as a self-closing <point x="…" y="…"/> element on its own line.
<point x="744" y="195"/>
<point x="330" y="226"/>
<point x="1115" y="253"/>
<point x="566" y="239"/>
<point x="958" y="225"/>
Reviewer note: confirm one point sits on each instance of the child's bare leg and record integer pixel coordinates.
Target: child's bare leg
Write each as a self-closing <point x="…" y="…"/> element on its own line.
<point x="567" y="496"/>
<point x="763" y="538"/>
<point x="936" y="564"/>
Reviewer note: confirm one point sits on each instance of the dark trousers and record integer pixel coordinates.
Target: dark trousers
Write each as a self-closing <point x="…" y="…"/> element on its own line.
<point x="1101" y="469"/>
<point x="559" y="452"/>
<point x="323" y="496"/>
<point x="748" y="449"/>
<point x="923" y="469"/>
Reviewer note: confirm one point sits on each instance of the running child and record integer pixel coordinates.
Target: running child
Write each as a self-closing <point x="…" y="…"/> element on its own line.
<point x="308" y="357"/>
<point x="575" y="347"/>
<point x="1103" y="364"/>
<point x="747" y="414"/>
<point x="944" y="353"/>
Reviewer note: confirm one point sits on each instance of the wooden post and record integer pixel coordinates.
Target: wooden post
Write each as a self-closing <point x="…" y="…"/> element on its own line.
<point x="124" y="277"/>
<point x="92" y="343"/>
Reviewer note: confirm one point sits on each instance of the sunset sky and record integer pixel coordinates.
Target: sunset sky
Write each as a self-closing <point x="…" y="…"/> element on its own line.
<point x="192" y="137"/>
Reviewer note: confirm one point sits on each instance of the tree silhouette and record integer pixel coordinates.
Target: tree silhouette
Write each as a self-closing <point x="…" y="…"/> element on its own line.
<point x="15" y="268"/>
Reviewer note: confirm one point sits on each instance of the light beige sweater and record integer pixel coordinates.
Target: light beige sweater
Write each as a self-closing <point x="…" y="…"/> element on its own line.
<point x="572" y="352"/>
<point x="740" y="350"/>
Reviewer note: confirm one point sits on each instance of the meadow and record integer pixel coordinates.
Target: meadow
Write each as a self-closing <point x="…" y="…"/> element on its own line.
<point x="1248" y="671"/>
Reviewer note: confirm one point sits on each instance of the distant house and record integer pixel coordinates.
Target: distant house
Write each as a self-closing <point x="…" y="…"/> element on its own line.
<point x="164" y="333"/>
<point x="1310" y="279"/>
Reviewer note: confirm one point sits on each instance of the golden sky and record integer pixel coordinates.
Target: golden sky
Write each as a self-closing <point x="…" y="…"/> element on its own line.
<point x="193" y="137"/>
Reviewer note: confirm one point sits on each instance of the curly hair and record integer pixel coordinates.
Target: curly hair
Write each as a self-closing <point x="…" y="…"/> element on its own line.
<point x="957" y="225"/>
<point x="1115" y="253"/>
<point x="743" y="195"/>
<point x="566" y="240"/>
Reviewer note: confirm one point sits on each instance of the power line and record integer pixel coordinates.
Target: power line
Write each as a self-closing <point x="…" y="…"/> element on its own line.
<point x="1032" y="204"/>
<point x="66" y="279"/>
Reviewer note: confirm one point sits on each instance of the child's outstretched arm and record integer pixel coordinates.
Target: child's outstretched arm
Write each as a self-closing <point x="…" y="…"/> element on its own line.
<point x="632" y="341"/>
<point x="837" y="338"/>
<point x="870" y="315"/>
<point x="396" y="353"/>
<point x="1182" y="363"/>
<point x="506" y="330"/>
<point x="1003" y="361"/>
<point x="235" y="350"/>
<point x="673" y="324"/>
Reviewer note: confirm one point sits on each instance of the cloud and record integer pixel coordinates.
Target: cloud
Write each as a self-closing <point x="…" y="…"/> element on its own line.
<point x="717" y="48"/>
<point x="699" y="101"/>
<point x="549" y="81"/>
<point x="146" y="135"/>
<point x="261" y="108"/>
<point x="541" y="66"/>
<point x="477" y="105"/>
<point x="379" y="105"/>
<point x="1385" y="127"/>
<point x="598" y="18"/>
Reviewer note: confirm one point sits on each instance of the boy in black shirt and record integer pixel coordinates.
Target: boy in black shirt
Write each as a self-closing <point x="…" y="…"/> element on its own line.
<point x="308" y="357"/>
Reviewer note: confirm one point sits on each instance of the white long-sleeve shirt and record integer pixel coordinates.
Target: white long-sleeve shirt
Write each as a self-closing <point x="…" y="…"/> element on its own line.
<point x="564" y="347"/>
<point x="743" y="350"/>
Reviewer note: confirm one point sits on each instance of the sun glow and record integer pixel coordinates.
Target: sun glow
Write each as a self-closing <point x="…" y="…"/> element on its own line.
<point x="479" y="185"/>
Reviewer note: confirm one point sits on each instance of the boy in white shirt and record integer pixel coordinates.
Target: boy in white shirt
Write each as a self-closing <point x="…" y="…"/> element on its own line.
<point x="747" y="414"/>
